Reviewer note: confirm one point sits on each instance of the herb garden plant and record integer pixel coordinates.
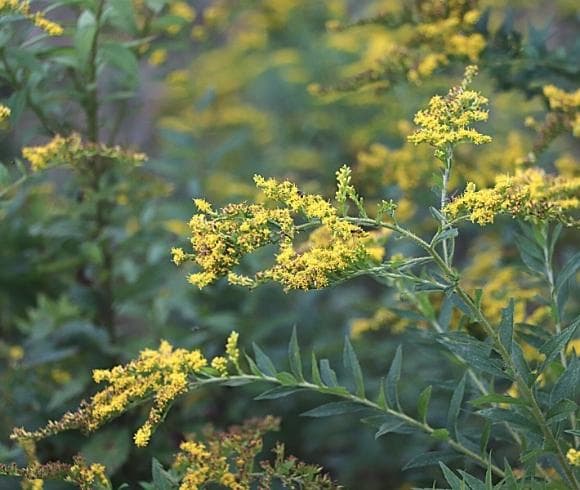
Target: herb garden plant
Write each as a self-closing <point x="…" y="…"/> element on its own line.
<point x="507" y="419"/>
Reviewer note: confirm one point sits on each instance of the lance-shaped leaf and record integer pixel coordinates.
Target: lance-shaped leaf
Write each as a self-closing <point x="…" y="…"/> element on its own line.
<point x="334" y="408"/>
<point x="294" y="356"/>
<point x="455" y="406"/>
<point x="352" y="364"/>
<point x="506" y="326"/>
<point x="265" y="365"/>
<point x="423" y="403"/>
<point x="393" y="377"/>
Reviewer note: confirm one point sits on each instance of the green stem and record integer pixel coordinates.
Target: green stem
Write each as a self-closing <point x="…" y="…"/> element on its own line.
<point x="550" y="279"/>
<point x="445" y="182"/>
<point x="92" y="99"/>
<point x="424" y="427"/>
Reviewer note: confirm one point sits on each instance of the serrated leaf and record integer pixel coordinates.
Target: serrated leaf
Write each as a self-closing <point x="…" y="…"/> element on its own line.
<point x="294" y="356"/>
<point x="455" y="406"/>
<point x="393" y="377"/>
<point x="334" y="408"/>
<point x="506" y="326"/>
<point x="351" y="362"/>
<point x="263" y="362"/>
<point x="423" y="403"/>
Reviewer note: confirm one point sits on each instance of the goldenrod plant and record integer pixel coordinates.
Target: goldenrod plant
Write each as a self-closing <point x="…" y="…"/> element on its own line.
<point x="141" y="331"/>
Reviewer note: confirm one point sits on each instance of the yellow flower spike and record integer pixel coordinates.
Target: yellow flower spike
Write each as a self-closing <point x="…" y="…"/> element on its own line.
<point x="4" y="113"/>
<point x="573" y="456"/>
<point x="37" y="18"/>
<point x="447" y="120"/>
<point x="232" y="349"/>
<point x="220" y="364"/>
<point x="531" y="195"/>
<point x="178" y="255"/>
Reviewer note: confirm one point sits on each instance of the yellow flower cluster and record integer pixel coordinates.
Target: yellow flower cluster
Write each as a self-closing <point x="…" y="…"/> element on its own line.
<point x="567" y="103"/>
<point x="22" y="7"/>
<point x="161" y="375"/>
<point x="71" y="150"/>
<point x="382" y="318"/>
<point x="4" y="113"/>
<point x="529" y="195"/>
<point x="88" y="477"/>
<point x="573" y="456"/>
<point x="447" y="119"/>
<point x="221" y="239"/>
<point x="226" y="458"/>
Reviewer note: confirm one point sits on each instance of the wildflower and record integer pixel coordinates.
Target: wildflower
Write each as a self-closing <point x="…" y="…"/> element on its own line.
<point x="4" y="113"/>
<point x="447" y="119"/>
<point x="220" y="240"/>
<point x="37" y="18"/>
<point x="158" y="57"/>
<point x="232" y="347"/>
<point x="220" y="364"/>
<point x="573" y="456"/>
<point x="72" y="151"/>
<point x="529" y="195"/>
<point x="177" y="255"/>
<point x="88" y="476"/>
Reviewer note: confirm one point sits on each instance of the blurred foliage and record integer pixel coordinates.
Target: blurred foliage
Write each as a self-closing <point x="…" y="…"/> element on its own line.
<point x="214" y="92"/>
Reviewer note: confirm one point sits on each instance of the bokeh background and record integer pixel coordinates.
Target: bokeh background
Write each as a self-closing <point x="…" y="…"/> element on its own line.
<point x="279" y="88"/>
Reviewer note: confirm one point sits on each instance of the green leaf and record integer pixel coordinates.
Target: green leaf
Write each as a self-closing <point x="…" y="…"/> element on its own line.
<point x="521" y="364"/>
<point x="496" y="398"/>
<point x="568" y="382"/>
<point x="278" y="392"/>
<point x="393" y="378"/>
<point x="122" y="58"/>
<point x="381" y="399"/>
<point x="327" y="373"/>
<point x="334" y="408"/>
<point x="351" y="362"/>
<point x="430" y="459"/>
<point x="391" y="425"/>
<point x="568" y="271"/>
<point x="451" y="478"/>
<point x="286" y="378"/>
<point x="484" y="440"/>
<point x="316" y="379"/>
<point x="294" y="356"/>
<point x="253" y="367"/>
<point x="475" y="353"/>
<point x="162" y="480"/>
<point x="474" y="483"/>
<point x="455" y="406"/>
<point x="440" y="434"/>
<point x="498" y="415"/>
<point x="552" y="348"/>
<point x="423" y="403"/>
<point x="561" y="410"/>
<point x="263" y="362"/>
<point x="121" y="15"/>
<point x="84" y="35"/>
<point x="506" y="326"/>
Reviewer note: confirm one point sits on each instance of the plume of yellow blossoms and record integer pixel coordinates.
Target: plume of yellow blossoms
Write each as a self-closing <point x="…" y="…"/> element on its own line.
<point x="71" y="150"/>
<point x="447" y="120"/>
<point x="161" y="375"/>
<point x="22" y="7"/>
<point x="221" y="239"/>
<point x="4" y="113"/>
<point x="566" y="103"/>
<point x="530" y="195"/>
<point x="226" y="458"/>
<point x="573" y="456"/>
